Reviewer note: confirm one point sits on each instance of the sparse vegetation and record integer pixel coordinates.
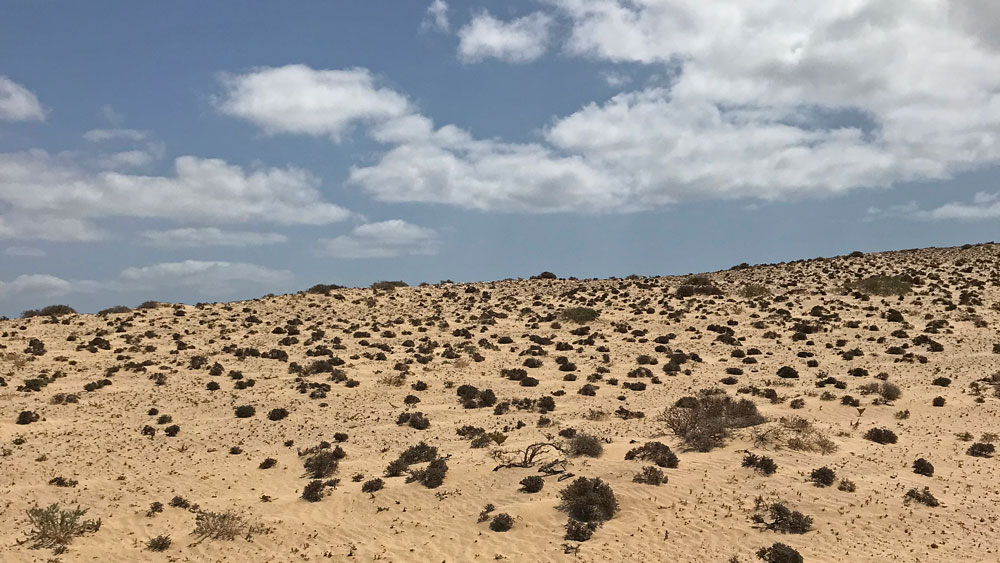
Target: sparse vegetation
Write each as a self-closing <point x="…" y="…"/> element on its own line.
<point x="54" y="527"/>
<point x="580" y="315"/>
<point x="226" y="526"/>
<point x="588" y="500"/>
<point x="704" y="423"/>
<point x="882" y="285"/>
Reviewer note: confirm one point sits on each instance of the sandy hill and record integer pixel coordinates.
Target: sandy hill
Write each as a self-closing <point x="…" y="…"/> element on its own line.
<point x="694" y="419"/>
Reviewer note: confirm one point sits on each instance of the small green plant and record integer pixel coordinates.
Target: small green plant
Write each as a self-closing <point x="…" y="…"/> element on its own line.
<point x="226" y="526"/>
<point x="49" y="311"/>
<point x="432" y="476"/>
<point x="388" y="285"/>
<point x="779" y="553"/>
<point x="882" y="285"/>
<point x="881" y="436"/>
<point x="372" y="486"/>
<point x="762" y="464"/>
<point x="55" y="527"/>
<point x="656" y="452"/>
<point x="704" y="423"/>
<point x="321" y="464"/>
<point x="981" y="449"/>
<point x="313" y="491"/>
<point x="159" y="543"/>
<point x="502" y="522"/>
<point x="783" y="519"/>
<point x="822" y="477"/>
<point x="752" y="290"/>
<point x="580" y="315"/>
<point x="532" y="484"/>
<point x="923" y="467"/>
<point x="585" y="445"/>
<point x="923" y="497"/>
<point x="580" y="531"/>
<point x="650" y="475"/>
<point x="588" y="500"/>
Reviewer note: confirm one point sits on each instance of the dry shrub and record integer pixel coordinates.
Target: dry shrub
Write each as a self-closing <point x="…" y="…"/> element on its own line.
<point x="55" y="527"/>
<point x="226" y="525"/>
<point x="795" y="433"/>
<point x="704" y="423"/>
<point x="588" y="500"/>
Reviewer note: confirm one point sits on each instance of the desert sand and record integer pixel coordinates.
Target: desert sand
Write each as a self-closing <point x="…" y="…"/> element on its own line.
<point x="738" y="331"/>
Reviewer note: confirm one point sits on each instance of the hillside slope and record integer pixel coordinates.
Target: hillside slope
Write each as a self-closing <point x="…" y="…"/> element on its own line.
<point x="820" y="357"/>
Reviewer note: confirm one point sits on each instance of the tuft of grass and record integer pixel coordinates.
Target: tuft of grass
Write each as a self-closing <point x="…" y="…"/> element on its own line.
<point x="226" y="526"/>
<point x="55" y="527"/>
<point x="159" y="543"/>
<point x="882" y="285"/>
<point x="580" y="315"/>
<point x="752" y="290"/>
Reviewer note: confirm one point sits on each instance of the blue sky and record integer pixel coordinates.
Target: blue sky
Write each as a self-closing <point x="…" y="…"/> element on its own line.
<point x="193" y="151"/>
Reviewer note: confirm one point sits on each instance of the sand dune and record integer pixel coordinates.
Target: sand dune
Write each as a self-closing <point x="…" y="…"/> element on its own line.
<point x="733" y="333"/>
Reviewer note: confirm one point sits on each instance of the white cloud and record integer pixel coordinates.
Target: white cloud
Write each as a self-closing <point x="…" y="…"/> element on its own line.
<point x="54" y="198"/>
<point x="17" y="103"/>
<point x="767" y="103"/>
<point x="205" y="277"/>
<point x="45" y="226"/>
<point x="449" y="166"/>
<point x="40" y="285"/>
<point x="211" y="278"/>
<point x="984" y="206"/>
<point x="386" y="239"/>
<point x="437" y="16"/>
<point x="616" y="79"/>
<point x="26" y="251"/>
<point x="764" y="103"/>
<point x="113" y="117"/>
<point x="520" y="40"/>
<point x="208" y="236"/>
<point x="140" y="148"/>
<point x="296" y="98"/>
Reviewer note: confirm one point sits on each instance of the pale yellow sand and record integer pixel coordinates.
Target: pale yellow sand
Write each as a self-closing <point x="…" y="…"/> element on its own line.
<point x="701" y="514"/>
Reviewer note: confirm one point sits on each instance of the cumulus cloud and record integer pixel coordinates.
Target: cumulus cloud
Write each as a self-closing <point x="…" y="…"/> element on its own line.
<point x="386" y="239"/>
<point x="765" y="102"/>
<point x="296" y="98"/>
<point x="449" y="166"/>
<point x="518" y="41"/>
<point x="17" y="103"/>
<point x="50" y="197"/>
<point x="437" y="16"/>
<point x="208" y="236"/>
